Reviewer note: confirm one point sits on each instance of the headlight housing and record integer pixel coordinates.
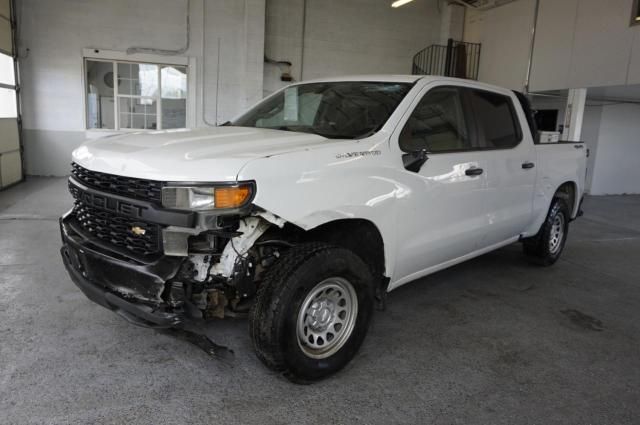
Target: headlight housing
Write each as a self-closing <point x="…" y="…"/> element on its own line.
<point x="207" y="197"/>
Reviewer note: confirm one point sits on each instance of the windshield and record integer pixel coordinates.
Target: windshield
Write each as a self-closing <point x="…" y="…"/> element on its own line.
<point x="337" y="110"/>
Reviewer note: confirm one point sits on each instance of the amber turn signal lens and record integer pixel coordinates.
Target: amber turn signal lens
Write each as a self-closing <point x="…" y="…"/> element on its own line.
<point x="232" y="196"/>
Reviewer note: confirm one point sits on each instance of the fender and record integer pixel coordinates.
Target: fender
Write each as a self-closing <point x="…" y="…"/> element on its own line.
<point x="542" y="203"/>
<point x="353" y="179"/>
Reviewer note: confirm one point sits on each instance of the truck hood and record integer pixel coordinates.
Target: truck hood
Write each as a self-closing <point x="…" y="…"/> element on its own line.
<point x="207" y="154"/>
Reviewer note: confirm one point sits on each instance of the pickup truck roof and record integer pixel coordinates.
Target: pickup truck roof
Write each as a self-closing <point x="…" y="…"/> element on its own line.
<point x="401" y="78"/>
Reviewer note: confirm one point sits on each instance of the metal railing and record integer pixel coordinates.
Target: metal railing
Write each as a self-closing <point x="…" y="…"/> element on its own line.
<point x="456" y="59"/>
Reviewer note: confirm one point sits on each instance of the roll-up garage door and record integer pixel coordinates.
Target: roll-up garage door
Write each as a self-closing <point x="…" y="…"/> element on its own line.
<point x="10" y="155"/>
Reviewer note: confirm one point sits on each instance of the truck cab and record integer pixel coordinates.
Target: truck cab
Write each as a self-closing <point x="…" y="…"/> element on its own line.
<point x="302" y="213"/>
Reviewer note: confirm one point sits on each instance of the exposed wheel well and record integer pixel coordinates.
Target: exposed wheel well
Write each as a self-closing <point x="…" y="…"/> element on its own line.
<point x="358" y="235"/>
<point x="567" y="191"/>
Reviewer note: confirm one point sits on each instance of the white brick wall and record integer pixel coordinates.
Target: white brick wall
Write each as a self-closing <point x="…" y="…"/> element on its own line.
<point x="347" y="37"/>
<point x="342" y="37"/>
<point x="56" y="31"/>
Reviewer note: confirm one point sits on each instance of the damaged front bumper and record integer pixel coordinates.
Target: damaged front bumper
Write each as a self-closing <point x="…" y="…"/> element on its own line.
<point x="132" y="289"/>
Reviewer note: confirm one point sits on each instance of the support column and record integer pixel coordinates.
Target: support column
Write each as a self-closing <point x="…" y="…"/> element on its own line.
<point x="572" y="129"/>
<point x="451" y="22"/>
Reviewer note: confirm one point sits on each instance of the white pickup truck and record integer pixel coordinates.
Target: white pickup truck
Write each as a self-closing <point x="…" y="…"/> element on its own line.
<point x="302" y="213"/>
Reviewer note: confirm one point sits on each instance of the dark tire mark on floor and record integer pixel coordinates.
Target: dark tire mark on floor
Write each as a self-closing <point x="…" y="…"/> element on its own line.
<point x="583" y="320"/>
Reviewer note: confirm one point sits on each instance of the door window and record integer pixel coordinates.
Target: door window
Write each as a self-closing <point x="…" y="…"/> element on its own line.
<point x="437" y="124"/>
<point x="497" y="122"/>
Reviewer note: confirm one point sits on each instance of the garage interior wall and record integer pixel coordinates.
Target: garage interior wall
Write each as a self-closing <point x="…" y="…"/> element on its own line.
<point x="505" y="35"/>
<point x="54" y="33"/>
<point x="578" y="44"/>
<point x="343" y="37"/>
<point x="616" y="170"/>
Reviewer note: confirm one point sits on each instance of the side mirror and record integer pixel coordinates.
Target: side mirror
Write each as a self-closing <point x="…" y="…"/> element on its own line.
<point x="413" y="161"/>
<point x="416" y="154"/>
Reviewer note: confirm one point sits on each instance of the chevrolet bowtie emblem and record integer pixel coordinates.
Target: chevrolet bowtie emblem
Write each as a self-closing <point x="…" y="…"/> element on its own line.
<point x="138" y="231"/>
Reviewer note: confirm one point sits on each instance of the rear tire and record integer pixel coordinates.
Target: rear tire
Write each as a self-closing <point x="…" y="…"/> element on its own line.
<point x="546" y="246"/>
<point x="312" y="311"/>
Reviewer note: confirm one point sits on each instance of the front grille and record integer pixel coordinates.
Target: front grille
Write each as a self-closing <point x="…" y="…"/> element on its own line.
<point x="130" y="187"/>
<point x="118" y="230"/>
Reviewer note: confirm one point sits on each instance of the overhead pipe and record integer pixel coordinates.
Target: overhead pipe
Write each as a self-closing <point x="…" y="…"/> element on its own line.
<point x="303" y="31"/>
<point x="531" y="46"/>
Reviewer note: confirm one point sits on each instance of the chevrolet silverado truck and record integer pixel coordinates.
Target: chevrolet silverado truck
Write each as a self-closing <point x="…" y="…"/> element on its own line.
<point x="304" y="212"/>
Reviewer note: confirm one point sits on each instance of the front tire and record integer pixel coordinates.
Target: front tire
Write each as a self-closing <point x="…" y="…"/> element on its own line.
<point x="312" y="311"/>
<point x="546" y="246"/>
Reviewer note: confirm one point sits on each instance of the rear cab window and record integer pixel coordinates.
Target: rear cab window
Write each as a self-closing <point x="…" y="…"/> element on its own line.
<point x="497" y="123"/>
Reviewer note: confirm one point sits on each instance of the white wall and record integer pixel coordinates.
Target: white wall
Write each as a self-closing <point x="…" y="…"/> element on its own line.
<point x="56" y="31"/>
<point x="616" y="168"/>
<point x="341" y="37"/>
<point x="347" y="37"/>
<point x="505" y="34"/>
<point x="585" y="43"/>
<point x="579" y="43"/>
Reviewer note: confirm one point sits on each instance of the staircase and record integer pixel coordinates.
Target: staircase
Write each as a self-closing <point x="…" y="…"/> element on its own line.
<point x="456" y="59"/>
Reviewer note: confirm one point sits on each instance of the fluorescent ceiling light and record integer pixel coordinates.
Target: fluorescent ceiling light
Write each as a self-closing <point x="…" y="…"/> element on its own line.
<point x="399" y="3"/>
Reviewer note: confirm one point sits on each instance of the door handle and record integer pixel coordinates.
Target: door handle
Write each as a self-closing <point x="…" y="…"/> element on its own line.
<point x="473" y="171"/>
<point x="527" y="165"/>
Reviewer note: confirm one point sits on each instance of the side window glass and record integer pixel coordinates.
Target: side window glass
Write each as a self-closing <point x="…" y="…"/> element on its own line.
<point x="437" y="124"/>
<point x="496" y="117"/>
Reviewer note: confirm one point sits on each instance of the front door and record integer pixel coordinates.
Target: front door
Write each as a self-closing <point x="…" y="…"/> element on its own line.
<point x="443" y="215"/>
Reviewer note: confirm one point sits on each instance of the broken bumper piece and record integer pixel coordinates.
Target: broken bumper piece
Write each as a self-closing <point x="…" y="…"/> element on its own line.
<point x="131" y="289"/>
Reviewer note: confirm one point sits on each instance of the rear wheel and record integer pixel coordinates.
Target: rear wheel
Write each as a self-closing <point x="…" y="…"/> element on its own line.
<point x="312" y="311"/>
<point x="547" y="245"/>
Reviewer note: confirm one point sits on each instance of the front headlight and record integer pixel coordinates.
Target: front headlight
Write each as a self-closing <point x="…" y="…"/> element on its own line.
<point x="200" y="198"/>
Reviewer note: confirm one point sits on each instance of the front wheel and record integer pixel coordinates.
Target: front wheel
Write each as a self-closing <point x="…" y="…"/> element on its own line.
<point x="547" y="245"/>
<point x="312" y="311"/>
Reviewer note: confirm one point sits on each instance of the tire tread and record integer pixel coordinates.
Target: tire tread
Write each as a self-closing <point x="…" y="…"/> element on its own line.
<point x="269" y="301"/>
<point x="535" y="247"/>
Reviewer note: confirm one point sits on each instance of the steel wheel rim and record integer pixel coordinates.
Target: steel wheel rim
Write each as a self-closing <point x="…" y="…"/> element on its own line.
<point x="327" y="317"/>
<point x="557" y="234"/>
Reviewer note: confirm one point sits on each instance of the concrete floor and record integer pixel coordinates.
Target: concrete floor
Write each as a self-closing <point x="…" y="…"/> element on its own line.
<point x="492" y="341"/>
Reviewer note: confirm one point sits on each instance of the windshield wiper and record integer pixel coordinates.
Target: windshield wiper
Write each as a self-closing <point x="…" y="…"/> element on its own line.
<point x="335" y="136"/>
<point x="284" y="128"/>
<point x="311" y="130"/>
<point x="295" y="129"/>
<point x="369" y="133"/>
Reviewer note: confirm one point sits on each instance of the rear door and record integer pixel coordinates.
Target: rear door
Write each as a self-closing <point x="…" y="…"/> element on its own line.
<point x="10" y="155"/>
<point x="511" y="163"/>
